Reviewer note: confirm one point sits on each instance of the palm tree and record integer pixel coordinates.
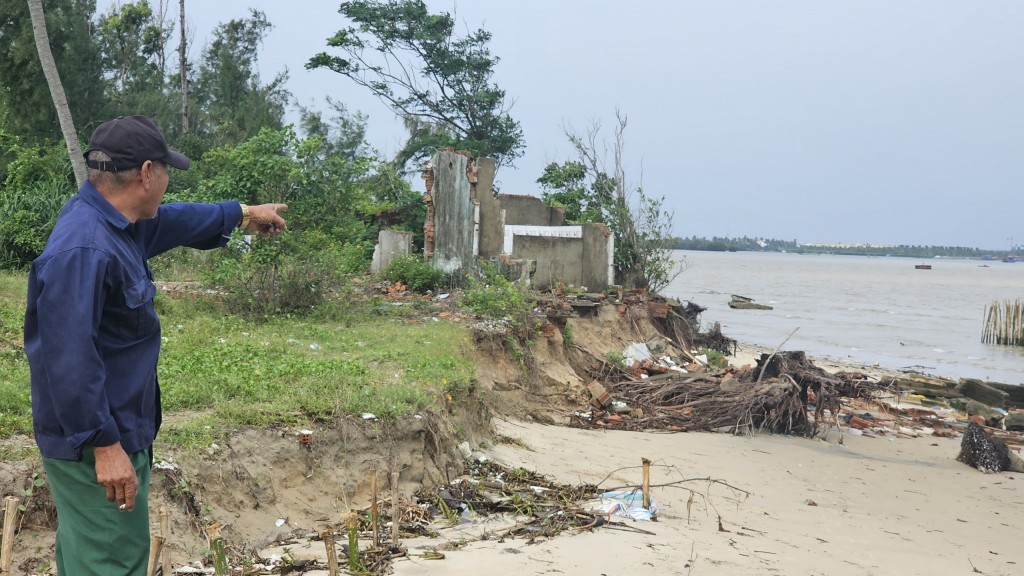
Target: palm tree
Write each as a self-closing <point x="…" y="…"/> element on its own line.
<point x="60" y="100"/>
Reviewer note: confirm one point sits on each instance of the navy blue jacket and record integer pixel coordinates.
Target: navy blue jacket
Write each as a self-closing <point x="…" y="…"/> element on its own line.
<point x="92" y="336"/>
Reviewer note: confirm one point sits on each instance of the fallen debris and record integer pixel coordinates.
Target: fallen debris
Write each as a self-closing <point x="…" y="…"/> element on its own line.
<point x="987" y="454"/>
<point x="743" y="303"/>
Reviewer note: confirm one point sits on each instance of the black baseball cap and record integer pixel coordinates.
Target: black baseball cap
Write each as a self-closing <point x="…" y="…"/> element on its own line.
<point x="130" y="141"/>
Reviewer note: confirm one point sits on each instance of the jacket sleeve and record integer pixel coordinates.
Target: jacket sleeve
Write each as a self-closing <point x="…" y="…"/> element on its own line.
<point x="200" y="226"/>
<point x="69" y="306"/>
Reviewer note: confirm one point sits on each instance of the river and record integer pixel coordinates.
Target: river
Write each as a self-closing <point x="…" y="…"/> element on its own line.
<point x="861" y="309"/>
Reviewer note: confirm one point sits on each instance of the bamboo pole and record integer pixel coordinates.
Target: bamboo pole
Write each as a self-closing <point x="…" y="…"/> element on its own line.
<point x="165" y="530"/>
<point x="373" y="507"/>
<point x="1004" y="323"/>
<point x="354" y="565"/>
<point x="156" y="546"/>
<point x="394" y="509"/>
<point x="332" y="553"/>
<point x="220" y="556"/>
<point x="647" y="483"/>
<point x="10" y="520"/>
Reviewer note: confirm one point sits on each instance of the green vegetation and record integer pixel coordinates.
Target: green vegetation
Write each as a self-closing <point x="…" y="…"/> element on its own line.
<point x="438" y="81"/>
<point x="416" y="273"/>
<point x="715" y="358"/>
<point x="496" y="297"/>
<point x="218" y="371"/>
<point x="15" y="410"/>
<point x="282" y="330"/>
<point x="591" y="191"/>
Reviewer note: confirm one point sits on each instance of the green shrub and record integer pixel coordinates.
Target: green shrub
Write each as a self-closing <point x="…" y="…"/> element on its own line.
<point x="416" y="273"/>
<point x="291" y="274"/>
<point x="567" y="336"/>
<point x="27" y="216"/>
<point x="715" y="358"/>
<point x="497" y="297"/>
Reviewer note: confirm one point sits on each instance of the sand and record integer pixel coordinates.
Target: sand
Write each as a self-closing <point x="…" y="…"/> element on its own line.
<point x="870" y="506"/>
<point x="781" y="505"/>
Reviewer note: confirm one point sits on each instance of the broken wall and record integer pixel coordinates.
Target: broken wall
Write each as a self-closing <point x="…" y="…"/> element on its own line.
<point x="521" y="210"/>
<point x="466" y="221"/>
<point x="454" y="213"/>
<point x="391" y="244"/>
<point x="577" y="255"/>
<point x="492" y="219"/>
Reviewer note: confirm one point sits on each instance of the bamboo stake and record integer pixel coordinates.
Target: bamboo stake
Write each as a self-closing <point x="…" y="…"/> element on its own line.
<point x="394" y="509"/>
<point x="165" y="530"/>
<point x="332" y="554"/>
<point x="354" y="565"/>
<point x="220" y="556"/>
<point x="10" y="519"/>
<point x="156" y="546"/>
<point x="647" y="483"/>
<point x="1004" y="323"/>
<point x="373" y="507"/>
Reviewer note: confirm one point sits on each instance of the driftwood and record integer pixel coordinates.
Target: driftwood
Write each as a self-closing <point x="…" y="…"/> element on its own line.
<point x="778" y="395"/>
<point x="700" y="402"/>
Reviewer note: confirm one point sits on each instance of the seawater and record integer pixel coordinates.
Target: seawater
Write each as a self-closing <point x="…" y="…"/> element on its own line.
<point x="861" y="309"/>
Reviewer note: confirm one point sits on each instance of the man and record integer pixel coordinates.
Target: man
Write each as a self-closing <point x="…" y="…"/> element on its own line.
<point x="92" y="338"/>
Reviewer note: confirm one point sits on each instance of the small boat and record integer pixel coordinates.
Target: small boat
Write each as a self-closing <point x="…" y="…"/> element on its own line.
<point x="923" y="266"/>
<point x="1010" y="259"/>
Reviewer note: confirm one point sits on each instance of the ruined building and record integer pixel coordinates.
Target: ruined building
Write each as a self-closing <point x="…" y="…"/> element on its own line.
<point x="466" y="222"/>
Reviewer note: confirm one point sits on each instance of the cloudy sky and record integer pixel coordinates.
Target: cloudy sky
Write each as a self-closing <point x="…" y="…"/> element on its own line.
<point x="868" y="121"/>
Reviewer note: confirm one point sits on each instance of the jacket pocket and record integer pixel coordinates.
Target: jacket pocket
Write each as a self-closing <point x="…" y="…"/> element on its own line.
<point x="140" y="314"/>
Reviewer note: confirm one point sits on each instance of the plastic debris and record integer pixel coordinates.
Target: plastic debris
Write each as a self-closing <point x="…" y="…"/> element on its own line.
<point x="627" y="503"/>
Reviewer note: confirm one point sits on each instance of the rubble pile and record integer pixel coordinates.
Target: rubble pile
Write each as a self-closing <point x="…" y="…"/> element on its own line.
<point x="658" y="385"/>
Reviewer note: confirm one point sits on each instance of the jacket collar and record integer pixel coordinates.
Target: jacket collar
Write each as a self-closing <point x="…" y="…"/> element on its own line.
<point x="92" y="196"/>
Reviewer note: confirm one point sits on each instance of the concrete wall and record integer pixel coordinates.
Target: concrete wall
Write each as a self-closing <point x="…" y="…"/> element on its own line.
<point x="466" y="222"/>
<point x="530" y="211"/>
<point x="598" y="257"/>
<point x="390" y="245"/>
<point x="455" y="213"/>
<point x="558" y="259"/>
<point x="577" y="255"/>
<point x="491" y="217"/>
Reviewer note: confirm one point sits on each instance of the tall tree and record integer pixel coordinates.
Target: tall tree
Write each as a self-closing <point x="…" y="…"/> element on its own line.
<point x="415" y="64"/>
<point x="131" y="38"/>
<point x="343" y="134"/>
<point x="592" y="190"/>
<point x="236" y="104"/>
<point x="183" y="68"/>
<point x="26" y="107"/>
<point x="60" y="101"/>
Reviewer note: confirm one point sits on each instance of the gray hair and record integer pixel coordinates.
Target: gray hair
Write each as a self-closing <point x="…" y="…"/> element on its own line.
<point x="113" y="179"/>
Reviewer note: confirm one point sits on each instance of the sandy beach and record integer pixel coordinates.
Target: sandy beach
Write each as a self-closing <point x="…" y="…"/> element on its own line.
<point x="870" y="506"/>
<point x="752" y="505"/>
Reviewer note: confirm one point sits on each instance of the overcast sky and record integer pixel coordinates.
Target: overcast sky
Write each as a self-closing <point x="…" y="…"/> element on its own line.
<point x="867" y="121"/>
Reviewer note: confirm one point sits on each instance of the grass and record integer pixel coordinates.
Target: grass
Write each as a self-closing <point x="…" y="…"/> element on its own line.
<point x="218" y="372"/>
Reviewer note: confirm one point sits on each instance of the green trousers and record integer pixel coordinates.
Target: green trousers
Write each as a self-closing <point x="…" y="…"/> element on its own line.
<point x="94" y="538"/>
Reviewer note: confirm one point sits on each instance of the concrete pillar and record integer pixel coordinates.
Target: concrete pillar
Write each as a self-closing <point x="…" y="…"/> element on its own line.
<point x="454" y="213"/>
<point x="598" y="257"/>
<point x="490" y="210"/>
